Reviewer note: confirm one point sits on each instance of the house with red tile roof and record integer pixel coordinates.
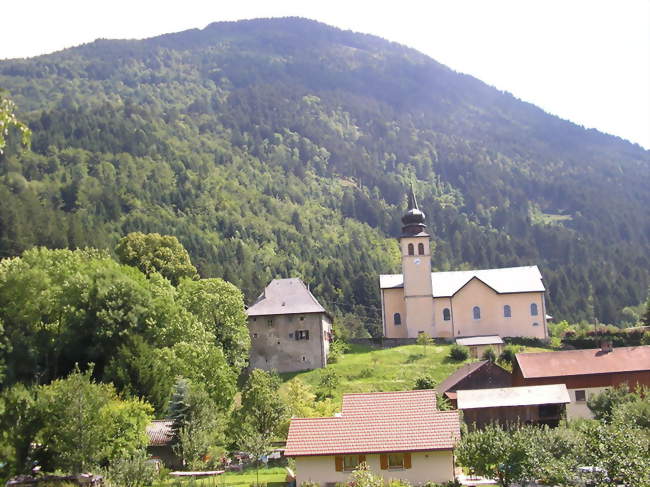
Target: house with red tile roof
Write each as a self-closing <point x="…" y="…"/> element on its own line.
<point x="400" y="435"/>
<point x="584" y="372"/>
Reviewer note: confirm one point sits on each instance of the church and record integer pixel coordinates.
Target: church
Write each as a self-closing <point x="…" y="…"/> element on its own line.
<point x="507" y="302"/>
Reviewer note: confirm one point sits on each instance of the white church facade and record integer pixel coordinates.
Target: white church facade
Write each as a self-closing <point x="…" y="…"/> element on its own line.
<point x="507" y="302"/>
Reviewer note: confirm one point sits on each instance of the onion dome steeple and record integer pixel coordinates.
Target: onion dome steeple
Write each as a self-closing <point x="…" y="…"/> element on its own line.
<point x="413" y="219"/>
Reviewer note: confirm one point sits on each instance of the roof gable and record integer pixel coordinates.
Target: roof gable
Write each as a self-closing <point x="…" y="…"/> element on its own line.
<point x="502" y="281"/>
<point x="377" y="422"/>
<point x="285" y="296"/>
<point x="583" y="362"/>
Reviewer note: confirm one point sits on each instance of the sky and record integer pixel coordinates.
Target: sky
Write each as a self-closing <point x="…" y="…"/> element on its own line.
<point x="587" y="61"/>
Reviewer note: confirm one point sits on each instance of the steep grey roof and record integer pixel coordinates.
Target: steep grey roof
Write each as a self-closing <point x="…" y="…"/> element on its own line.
<point x="285" y="296"/>
<point x="503" y="281"/>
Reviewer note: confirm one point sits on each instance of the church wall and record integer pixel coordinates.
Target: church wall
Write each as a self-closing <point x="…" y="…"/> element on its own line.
<point x="394" y="303"/>
<point x="444" y="329"/>
<point x="492" y="321"/>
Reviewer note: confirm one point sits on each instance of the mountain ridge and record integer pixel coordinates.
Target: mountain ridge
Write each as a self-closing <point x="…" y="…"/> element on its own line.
<point x="288" y="117"/>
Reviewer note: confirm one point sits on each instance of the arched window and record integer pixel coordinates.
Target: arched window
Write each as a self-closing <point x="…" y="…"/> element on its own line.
<point x="446" y="314"/>
<point x="533" y="309"/>
<point x="507" y="312"/>
<point x="411" y="250"/>
<point x="477" y="313"/>
<point x="397" y="319"/>
<point x="421" y="248"/>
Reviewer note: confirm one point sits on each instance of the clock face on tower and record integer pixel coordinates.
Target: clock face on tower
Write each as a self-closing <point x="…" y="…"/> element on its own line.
<point x="416" y="261"/>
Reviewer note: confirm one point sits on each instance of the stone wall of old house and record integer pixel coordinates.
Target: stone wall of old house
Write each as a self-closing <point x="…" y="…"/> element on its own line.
<point x="289" y="343"/>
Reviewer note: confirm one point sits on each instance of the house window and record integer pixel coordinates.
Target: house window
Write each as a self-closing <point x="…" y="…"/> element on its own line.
<point x="507" y="312"/>
<point x="581" y="396"/>
<point x="446" y="314"/>
<point x="254" y="319"/>
<point x="254" y="335"/>
<point x="269" y="322"/>
<point x="533" y="309"/>
<point x="395" y="461"/>
<point x="302" y="335"/>
<point x="411" y="249"/>
<point x="350" y="462"/>
<point x="397" y="319"/>
<point x="290" y="318"/>
<point x="476" y="312"/>
<point x="302" y="318"/>
<point x="421" y="248"/>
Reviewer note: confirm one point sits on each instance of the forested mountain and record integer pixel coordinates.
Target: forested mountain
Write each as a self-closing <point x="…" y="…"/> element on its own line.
<point x="284" y="147"/>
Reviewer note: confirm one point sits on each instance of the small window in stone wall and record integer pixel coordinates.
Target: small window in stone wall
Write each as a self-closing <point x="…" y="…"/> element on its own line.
<point x="290" y="335"/>
<point x="581" y="395"/>
<point x="302" y="318"/>
<point x="269" y="322"/>
<point x="254" y="335"/>
<point x="289" y="318"/>
<point x="302" y="335"/>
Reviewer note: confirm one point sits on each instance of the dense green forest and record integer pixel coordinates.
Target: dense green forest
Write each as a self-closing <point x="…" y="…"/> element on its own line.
<point x="284" y="147"/>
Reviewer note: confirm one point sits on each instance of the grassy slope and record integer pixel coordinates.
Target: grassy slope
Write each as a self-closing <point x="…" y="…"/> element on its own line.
<point x="269" y="476"/>
<point x="366" y="369"/>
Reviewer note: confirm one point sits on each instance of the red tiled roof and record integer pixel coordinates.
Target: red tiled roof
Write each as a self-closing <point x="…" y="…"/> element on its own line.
<point x="584" y="362"/>
<point x="377" y="422"/>
<point x="160" y="432"/>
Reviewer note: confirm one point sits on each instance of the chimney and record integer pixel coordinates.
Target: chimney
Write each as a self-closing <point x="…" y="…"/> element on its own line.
<point x="606" y="346"/>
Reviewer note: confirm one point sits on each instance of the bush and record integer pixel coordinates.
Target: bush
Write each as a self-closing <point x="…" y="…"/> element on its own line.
<point x="135" y="471"/>
<point x="508" y="354"/>
<point x="337" y="349"/>
<point x="489" y="354"/>
<point x="424" y="382"/>
<point x="458" y="353"/>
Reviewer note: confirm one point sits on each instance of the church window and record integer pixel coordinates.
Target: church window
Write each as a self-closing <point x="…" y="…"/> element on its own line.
<point x="421" y="248"/>
<point x="397" y="319"/>
<point x="477" y="313"/>
<point x="446" y="314"/>
<point x="411" y="249"/>
<point x="533" y="309"/>
<point x="507" y="312"/>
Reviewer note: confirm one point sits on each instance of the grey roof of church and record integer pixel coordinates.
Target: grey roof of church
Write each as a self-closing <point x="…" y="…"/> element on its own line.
<point x="503" y="281"/>
<point x="285" y="296"/>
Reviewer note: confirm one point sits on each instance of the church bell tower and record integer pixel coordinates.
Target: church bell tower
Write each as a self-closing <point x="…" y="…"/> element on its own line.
<point x="416" y="269"/>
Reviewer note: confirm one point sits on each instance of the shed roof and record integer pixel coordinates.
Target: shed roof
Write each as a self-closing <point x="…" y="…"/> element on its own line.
<point x="480" y="340"/>
<point x="285" y="296"/>
<point x="503" y="281"/>
<point x="377" y="422"/>
<point x="160" y="432"/>
<point x="513" y="396"/>
<point x="464" y="371"/>
<point x="584" y="362"/>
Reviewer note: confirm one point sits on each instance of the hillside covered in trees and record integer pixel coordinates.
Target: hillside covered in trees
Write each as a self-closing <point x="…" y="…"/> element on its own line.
<point x="284" y="148"/>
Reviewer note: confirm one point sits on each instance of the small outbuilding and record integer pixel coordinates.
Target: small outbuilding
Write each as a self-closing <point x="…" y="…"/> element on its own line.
<point x="509" y="406"/>
<point x="479" y="344"/>
<point x="475" y="375"/>
<point x="161" y="441"/>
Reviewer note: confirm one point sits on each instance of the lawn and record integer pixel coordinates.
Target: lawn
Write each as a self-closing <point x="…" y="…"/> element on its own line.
<point x="272" y="477"/>
<point x="368" y="369"/>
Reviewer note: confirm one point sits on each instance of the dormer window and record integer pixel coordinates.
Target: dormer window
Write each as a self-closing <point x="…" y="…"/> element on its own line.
<point x="411" y="249"/>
